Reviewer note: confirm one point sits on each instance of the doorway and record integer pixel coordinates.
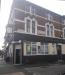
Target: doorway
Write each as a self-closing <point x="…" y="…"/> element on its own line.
<point x="17" y="61"/>
<point x="59" y="53"/>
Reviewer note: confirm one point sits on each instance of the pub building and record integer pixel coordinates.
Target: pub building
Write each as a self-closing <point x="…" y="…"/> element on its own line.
<point x="34" y="34"/>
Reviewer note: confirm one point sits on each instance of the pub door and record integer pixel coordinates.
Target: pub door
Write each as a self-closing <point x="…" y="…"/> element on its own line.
<point x="59" y="53"/>
<point x="17" y="56"/>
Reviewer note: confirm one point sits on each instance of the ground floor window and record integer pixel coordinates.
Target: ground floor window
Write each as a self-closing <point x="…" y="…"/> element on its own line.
<point x="43" y="48"/>
<point x="32" y="48"/>
<point x="28" y="48"/>
<point x="46" y="48"/>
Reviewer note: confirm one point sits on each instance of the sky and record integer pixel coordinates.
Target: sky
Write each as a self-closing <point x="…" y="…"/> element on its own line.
<point x="57" y="6"/>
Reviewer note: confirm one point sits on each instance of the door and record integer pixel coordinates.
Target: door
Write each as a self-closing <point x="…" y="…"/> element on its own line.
<point x="17" y="56"/>
<point x="59" y="52"/>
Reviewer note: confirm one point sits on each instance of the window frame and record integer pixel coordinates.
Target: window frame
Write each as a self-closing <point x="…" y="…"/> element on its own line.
<point x="32" y="8"/>
<point x="48" y="24"/>
<point x="28" y="18"/>
<point x="63" y="32"/>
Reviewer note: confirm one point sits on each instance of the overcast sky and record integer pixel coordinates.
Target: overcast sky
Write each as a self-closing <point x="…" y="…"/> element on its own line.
<point x="53" y="5"/>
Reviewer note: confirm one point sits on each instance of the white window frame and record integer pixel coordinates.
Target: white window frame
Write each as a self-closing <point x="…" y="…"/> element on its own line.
<point x="49" y="29"/>
<point x="37" y="53"/>
<point x="64" y="22"/>
<point x="46" y="28"/>
<point x="9" y="30"/>
<point x="63" y="32"/>
<point x="49" y="16"/>
<point x="28" y="18"/>
<point x="31" y="48"/>
<point x="36" y="47"/>
<point x="31" y="7"/>
<point x="35" y="26"/>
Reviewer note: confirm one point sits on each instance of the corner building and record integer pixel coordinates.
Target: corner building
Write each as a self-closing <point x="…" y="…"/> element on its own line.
<point x="34" y="34"/>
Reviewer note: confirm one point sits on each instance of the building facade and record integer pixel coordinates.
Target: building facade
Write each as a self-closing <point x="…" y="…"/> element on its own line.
<point x="34" y="34"/>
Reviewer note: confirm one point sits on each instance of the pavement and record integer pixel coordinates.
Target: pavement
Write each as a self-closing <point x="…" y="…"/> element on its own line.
<point x="45" y="69"/>
<point x="18" y="73"/>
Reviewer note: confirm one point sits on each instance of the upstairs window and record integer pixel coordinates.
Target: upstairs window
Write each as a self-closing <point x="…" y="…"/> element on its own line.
<point x="49" y="30"/>
<point x="33" y="26"/>
<point x="28" y="25"/>
<point x="64" y="33"/>
<point x="27" y="8"/>
<point x="49" y="17"/>
<point x="63" y="22"/>
<point x="32" y="10"/>
<point x="9" y="29"/>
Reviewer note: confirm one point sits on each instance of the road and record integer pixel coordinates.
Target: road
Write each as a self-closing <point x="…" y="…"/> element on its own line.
<point x="51" y="69"/>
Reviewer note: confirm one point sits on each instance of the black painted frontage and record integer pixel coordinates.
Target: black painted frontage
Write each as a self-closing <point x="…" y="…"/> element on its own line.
<point x="35" y="38"/>
<point x="41" y="59"/>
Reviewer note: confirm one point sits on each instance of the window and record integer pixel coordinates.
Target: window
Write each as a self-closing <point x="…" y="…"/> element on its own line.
<point x="33" y="10"/>
<point x="51" y="30"/>
<point x="28" y="48"/>
<point x="50" y="17"/>
<point x="31" y="48"/>
<point x="54" y="46"/>
<point x="43" y="49"/>
<point x="63" y="22"/>
<point x="46" y="48"/>
<point x="33" y="26"/>
<point x="27" y="8"/>
<point x="48" y="30"/>
<point x="33" y="45"/>
<point x="64" y="32"/>
<point x="28" y="25"/>
<point x="9" y="29"/>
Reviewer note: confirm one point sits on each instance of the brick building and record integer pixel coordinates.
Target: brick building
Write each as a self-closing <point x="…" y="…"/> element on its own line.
<point x="34" y="34"/>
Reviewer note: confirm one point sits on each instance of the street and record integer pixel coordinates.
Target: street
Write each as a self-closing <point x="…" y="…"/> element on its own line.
<point x="50" y="69"/>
